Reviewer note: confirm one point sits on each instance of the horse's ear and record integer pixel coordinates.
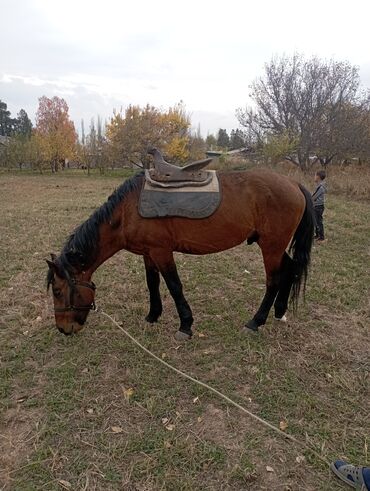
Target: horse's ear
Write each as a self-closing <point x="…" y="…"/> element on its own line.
<point x="53" y="256"/>
<point x="52" y="266"/>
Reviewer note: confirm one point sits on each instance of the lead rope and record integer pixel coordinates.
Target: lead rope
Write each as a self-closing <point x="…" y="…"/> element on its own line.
<point x="215" y="391"/>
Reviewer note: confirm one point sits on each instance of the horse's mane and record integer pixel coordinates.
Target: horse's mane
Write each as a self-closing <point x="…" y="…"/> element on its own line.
<point x="81" y="248"/>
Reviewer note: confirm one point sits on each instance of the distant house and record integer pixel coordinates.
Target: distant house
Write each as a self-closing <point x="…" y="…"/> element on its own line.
<point x="231" y="153"/>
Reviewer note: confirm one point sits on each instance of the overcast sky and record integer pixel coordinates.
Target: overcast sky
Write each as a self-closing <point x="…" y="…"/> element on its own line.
<point x="107" y="54"/>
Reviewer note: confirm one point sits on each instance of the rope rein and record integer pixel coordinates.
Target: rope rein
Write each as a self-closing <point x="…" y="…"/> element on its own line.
<point x="215" y="391"/>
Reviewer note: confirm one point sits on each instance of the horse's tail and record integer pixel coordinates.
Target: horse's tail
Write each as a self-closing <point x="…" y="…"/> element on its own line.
<point x="301" y="246"/>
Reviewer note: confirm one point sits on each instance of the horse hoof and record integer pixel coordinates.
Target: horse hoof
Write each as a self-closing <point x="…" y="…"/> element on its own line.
<point x="282" y="319"/>
<point x="182" y="336"/>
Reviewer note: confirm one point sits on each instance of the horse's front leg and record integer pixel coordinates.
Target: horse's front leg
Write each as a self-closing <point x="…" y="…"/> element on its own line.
<point x="165" y="263"/>
<point x="153" y="280"/>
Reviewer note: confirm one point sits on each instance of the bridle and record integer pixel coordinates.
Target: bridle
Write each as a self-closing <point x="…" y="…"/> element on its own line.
<point x="73" y="284"/>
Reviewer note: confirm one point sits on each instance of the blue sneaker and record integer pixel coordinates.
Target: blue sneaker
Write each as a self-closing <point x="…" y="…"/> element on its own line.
<point x="356" y="476"/>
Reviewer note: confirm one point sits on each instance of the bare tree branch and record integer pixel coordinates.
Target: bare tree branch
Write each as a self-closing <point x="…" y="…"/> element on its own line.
<point x="316" y="104"/>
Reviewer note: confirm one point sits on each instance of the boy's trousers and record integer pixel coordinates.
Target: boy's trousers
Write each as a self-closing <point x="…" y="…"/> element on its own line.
<point x="319" y="226"/>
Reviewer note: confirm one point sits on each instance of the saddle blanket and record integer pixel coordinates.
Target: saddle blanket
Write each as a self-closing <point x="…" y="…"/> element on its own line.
<point x="189" y="202"/>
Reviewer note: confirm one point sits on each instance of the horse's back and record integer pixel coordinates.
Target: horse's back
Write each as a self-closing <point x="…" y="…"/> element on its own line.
<point x="254" y="203"/>
<point x="260" y="191"/>
<point x="260" y="183"/>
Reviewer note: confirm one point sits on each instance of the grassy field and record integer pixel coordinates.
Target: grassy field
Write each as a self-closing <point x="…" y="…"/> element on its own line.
<point x="91" y="412"/>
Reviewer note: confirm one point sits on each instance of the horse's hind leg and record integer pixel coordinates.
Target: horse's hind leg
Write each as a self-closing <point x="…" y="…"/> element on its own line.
<point x="285" y="286"/>
<point x="272" y="261"/>
<point x="167" y="267"/>
<point x="152" y="280"/>
<point x="259" y="319"/>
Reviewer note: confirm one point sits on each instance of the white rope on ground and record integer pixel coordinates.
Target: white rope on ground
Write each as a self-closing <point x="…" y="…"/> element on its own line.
<point x="215" y="391"/>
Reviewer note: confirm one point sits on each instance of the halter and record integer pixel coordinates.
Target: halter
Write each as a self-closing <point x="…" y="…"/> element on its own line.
<point x="73" y="283"/>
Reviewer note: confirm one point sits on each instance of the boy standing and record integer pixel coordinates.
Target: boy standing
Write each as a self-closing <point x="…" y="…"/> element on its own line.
<point x="318" y="197"/>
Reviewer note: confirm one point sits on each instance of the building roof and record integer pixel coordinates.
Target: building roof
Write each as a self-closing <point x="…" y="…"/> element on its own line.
<point x="216" y="153"/>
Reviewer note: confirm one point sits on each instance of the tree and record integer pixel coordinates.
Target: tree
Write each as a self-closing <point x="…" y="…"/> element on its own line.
<point x="176" y="124"/>
<point x="17" y="132"/>
<point x="23" y="124"/>
<point x="55" y="127"/>
<point x="82" y="132"/>
<point x="223" y="139"/>
<point x="90" y="154"/>
<point x="177" y="149"/>
<point x="13" y="154"/>
<point x="102" y="159"/>
<point x="129" y="134"/>
<point x="298" y="98"/>
<point x="346" y="134"/>
<point x="33" y="151"/>
<point x="237" y="139"/>
<point x="197" y="145"/>
<point x="211" y="142"/>
<point x="82" y="151"/>
<point x="38" y="151"/>
<point x="6" y="122"/>
<point x="277" y="147"/>
<point x="92" y="151"/>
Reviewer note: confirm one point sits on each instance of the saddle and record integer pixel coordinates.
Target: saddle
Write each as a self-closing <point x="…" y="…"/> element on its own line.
<point x="165" y="174"/>
<point x="172" y="191"/>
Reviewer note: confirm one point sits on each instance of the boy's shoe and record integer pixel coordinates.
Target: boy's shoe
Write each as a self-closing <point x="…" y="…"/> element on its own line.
<point x="356" y="476"/>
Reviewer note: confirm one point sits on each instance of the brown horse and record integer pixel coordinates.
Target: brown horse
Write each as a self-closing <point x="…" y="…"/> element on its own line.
<point x="257" y="206"/>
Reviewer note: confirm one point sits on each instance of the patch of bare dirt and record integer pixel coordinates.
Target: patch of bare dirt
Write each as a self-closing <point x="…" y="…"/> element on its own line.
<point x="19" y="431"/>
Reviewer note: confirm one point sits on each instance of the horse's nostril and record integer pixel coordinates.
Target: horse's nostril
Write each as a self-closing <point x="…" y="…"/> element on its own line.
<point x="60" y="330"/>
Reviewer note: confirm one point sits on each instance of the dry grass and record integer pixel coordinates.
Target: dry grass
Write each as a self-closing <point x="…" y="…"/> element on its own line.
<point x="351" y="181"/>
<point x="60" y="397"/>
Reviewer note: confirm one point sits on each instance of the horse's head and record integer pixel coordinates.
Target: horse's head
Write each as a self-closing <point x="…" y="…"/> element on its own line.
<point x="73" y="297"/>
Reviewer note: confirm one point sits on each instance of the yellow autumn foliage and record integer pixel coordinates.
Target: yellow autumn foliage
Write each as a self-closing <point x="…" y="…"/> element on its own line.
<point x="129" y="133"/>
